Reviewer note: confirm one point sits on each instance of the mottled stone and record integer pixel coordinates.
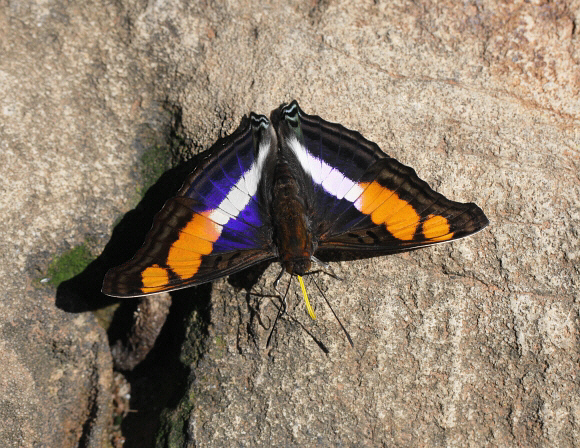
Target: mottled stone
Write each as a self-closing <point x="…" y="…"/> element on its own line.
<point x="467" y="344"/>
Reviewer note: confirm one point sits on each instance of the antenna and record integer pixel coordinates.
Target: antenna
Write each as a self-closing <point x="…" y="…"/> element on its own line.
<point x="335" y="315"/>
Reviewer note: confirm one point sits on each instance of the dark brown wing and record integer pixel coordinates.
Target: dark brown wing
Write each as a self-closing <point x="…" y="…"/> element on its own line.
<point x="214" y="227"/>
<point x="363" y="200"/>
<point x="396" y="211"/>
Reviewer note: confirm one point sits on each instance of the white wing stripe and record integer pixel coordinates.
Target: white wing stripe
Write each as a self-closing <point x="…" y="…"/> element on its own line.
<point x="242" y="192"/>
<point x="219" y="217"/>
<point x="228" y="207"/>
<point x="332" y="180"/>
<point x="238" y="197"/>
<point x="353" y="194"/>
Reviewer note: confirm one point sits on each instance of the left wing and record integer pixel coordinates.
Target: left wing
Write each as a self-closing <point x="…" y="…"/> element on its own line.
<point x="213" y="228"/>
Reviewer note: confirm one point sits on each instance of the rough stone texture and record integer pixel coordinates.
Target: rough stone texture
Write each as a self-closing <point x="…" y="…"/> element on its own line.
<point x="148" y="321"/>
<point x="55" y="377"/>
<point x="471" y="343"/>
<point x="66" y="96"/>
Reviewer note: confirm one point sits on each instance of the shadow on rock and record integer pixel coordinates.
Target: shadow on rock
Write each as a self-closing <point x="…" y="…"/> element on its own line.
<point x="158" y="381"/>
<point x="83" y="292"/>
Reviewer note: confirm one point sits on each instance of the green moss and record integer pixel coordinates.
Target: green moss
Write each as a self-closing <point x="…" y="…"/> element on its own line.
<point x="117" y="221"/>
<point x="173" y="430"/>
<point x="154" y="162"/>
<point x="193" y="346"/>
<point x="69" y="264"/>
<point x="220" y="342"/>
<point x="221" y="347"/>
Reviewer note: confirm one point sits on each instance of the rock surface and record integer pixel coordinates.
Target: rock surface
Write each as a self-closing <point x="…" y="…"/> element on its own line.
<point x="55" y="379"/>
<point x="471" y="343"/>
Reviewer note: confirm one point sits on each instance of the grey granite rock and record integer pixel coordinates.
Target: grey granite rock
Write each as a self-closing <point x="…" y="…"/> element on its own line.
<point x="65" y="173"/>
<point x="467" y="344"/>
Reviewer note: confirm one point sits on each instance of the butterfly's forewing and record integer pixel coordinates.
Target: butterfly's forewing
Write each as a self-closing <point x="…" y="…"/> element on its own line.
<point x="366" y="201"/>
<point x="334" y="158"/>
<point x="214" y="227"/>
<point x="395" y="211"/>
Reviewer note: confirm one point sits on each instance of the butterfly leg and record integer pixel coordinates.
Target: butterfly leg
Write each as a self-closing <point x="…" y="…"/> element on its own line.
<point x="335" y="315"/>
<point x="278" y="281"/>
<point x="282" y="308"/>
<point x="320" y="262"/>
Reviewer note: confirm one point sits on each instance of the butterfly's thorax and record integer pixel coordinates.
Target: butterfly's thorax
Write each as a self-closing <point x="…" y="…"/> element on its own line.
<point x="292" y="233"/>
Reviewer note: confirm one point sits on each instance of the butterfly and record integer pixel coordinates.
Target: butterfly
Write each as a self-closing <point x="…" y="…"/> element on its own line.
<point x="289" y="188"/>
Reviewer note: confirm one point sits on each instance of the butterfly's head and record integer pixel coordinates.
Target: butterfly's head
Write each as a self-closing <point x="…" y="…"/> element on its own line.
<point x="298" y="266"/>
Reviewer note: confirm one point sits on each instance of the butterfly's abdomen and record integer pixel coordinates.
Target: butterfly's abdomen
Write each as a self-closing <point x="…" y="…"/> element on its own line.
<point x="292" y="233"/>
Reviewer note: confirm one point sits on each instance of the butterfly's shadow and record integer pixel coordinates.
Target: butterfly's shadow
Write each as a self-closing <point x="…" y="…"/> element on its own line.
<point x="83" y="292"/>
<point x="162" y="365"/>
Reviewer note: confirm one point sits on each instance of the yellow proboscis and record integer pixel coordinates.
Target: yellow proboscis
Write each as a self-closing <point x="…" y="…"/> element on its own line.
<point x="305" y="294"/>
